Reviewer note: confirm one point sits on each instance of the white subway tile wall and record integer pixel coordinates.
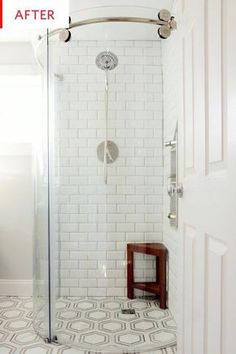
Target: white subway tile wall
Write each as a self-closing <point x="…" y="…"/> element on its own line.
<point x="96" y="221"/>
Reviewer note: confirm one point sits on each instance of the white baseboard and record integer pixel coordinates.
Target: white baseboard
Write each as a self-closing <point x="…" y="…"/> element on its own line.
<point x="12" y="287"/>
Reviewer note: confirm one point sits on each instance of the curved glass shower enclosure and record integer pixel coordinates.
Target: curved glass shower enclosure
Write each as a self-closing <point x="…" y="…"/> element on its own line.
<point x="98" y="188"/>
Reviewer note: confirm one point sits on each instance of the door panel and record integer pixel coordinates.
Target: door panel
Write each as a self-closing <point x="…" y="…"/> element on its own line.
<point x="189" y="250"/>
<point x="188" y="97"/>
<point x="214" y="81"/>
<point x="208" y="168"/>
<point x="215" y="84"/>
<point x="215" y="267"/>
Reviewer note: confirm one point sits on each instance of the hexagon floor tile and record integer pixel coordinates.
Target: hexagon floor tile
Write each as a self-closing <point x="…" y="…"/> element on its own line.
<point x="95" y="324"/>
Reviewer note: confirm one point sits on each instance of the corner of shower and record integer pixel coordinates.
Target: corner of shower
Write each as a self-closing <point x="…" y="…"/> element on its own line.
<point x="96" y="190"/>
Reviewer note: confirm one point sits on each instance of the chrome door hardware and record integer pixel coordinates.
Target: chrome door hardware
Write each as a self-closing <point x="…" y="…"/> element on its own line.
<point x="180" y="190"/>
<point x="174" y="188"/>
<point x="171" y="189"/>
<point x="172" y="216"/>
<point x="171" y="143"/>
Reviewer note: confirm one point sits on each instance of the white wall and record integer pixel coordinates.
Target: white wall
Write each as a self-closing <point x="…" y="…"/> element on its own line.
<point x="16" y="188"/>
<point x="16" y="224"/>
<point x="16" y="53"/>
<point x="97" y="221"/>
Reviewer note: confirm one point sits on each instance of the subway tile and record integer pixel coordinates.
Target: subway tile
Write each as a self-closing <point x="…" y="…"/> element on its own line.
<point x="95" y="220"/>
<point x="69" y="60"/>
<point x="97" y="236"/>
<point x="83" y="283"/>
<point x="96" y="292"/>
<point x="135" y="218"/>
<point x="78" y="51"/>
<point x="125" y="227"/>
<point x="134" y="51"/>
<point x="116" y="236"/>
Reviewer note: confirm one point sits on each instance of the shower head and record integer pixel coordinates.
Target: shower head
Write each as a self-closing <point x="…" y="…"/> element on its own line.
<point x="106" y="61"/>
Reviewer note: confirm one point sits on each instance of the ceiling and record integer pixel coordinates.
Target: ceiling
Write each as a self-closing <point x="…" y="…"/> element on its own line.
<point x="84" y="9"/>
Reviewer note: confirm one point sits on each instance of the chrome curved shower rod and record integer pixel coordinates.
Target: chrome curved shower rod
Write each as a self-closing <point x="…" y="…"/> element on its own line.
<point x="93" y="21"/>
<point x="170" y="23"/>
<point x="118" y="19"/>
<point x="165" y="21"/>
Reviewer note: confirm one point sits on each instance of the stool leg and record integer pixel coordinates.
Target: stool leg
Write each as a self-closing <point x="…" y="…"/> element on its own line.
<point x="130" y="273"/>
<point x="162" y="264"/>
<point x="157" y="270"/>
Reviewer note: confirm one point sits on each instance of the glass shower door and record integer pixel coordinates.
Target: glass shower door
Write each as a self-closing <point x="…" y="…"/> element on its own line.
<point x="42" y="289"/>
<point x="98" y="213"/>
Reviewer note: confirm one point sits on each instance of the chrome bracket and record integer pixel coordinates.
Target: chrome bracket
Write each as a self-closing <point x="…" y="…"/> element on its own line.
<point x="172" y="216"/>
<point x="180" y="190"/>
<point x="174" y="188"/>
<point x="170" y="143"/>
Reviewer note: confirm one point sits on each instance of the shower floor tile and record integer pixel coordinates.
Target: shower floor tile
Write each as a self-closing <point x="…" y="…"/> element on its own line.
<point x="93" y="324"/>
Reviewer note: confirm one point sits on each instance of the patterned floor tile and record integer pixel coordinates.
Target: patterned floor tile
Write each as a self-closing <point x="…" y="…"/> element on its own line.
<point x="130" y="339"/>
<point x="7" y="349"/>
<point x="94" y="338"/>
<point x="140" y="331"/>
<point x="79" y="326"/>
<point x="95" y="324"/>
<point x="97" y="315"/>
<point x="23" y="338"/>
<point x="144" y="325"/>
<point x="112" y="326"/>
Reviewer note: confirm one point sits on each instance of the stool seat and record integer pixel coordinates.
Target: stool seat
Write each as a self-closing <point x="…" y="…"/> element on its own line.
<point x="159" y="287"/>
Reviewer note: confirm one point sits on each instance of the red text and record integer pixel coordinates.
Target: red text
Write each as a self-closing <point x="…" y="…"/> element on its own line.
<point x="35" y="15"/>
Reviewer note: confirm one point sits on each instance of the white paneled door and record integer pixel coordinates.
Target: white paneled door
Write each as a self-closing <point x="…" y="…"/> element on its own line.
<point x="208" y="172"/>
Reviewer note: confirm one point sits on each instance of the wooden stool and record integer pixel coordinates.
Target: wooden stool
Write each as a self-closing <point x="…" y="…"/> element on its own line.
<point x="158" y="287"/>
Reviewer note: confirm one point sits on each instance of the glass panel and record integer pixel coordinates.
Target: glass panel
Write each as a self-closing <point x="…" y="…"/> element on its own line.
<point x="41" y="297"/>
<point x="96" y="220"/>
